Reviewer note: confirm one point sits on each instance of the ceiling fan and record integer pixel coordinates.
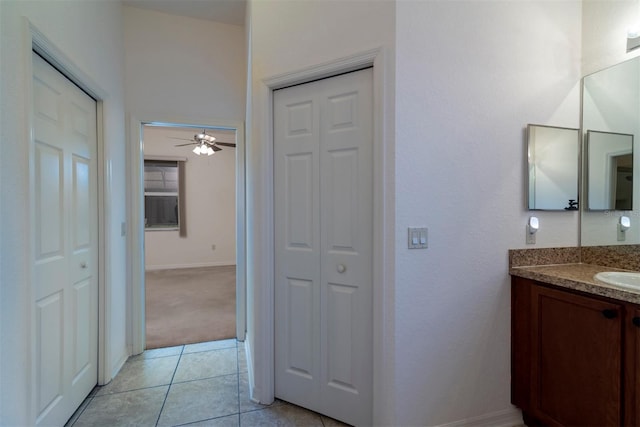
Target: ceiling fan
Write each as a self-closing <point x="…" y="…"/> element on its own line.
<point x="204" y="143"/>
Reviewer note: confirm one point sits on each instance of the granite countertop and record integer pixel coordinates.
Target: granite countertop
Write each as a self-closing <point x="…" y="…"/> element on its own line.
<point x="576" y="276"/>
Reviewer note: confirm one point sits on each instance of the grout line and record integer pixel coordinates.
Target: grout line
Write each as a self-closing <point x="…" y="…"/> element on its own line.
<point x="201" y="421"/>
<point x="77" y="416"/>
<point x="169" y="388"/>
<point x="114" y="393"/>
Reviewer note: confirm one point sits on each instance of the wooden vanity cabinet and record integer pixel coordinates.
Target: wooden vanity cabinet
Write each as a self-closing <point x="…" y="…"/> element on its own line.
<point x="574" y="357"/>
<point x="632" y="364"/>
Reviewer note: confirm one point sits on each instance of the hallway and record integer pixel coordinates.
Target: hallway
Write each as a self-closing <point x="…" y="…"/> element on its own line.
<point x="203" y="384"/>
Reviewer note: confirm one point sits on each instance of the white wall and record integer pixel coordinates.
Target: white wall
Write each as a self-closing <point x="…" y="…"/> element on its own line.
<point x="90" y="35"/>
<point x="604" y="45"/>
<point x="210" y="205"/>
<point x="604" y="32"/>
<point x="463" y="99"/>
<point x="521" y="67"/>
<point x="288" y="36"/>
<point x="183" y="69"/>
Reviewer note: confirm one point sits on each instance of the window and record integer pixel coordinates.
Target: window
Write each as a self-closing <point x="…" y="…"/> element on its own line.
<point x="161" y="195"/>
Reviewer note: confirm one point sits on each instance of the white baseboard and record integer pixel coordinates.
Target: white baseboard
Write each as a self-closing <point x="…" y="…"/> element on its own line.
<point x="507" y="418"/>
<point x="195" y="265"/>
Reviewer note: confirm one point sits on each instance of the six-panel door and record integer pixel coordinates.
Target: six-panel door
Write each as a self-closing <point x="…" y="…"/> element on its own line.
<point x="323" y="238"/>
<point x="64" y="216"/>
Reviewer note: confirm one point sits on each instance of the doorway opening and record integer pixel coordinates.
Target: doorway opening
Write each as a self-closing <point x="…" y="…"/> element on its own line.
<point x="192" y="207"/>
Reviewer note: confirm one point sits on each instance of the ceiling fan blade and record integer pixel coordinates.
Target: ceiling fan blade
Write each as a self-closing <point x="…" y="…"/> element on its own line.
<point x="226" y="144"/>
<point x="216" y="148"/>
<point x="184" y="139"/>
<point x="190" y="143"/>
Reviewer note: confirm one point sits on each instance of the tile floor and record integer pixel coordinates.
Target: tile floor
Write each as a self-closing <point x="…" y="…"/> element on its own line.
<point x="197" y="385"/>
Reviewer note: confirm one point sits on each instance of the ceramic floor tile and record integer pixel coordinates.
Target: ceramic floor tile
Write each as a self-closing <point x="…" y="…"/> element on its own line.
<point x="137" y="374"/>
<point x="200" y="400"/>
<point x="207" y="364"/>
<point x="229" y="421"/>
<point x="281" y="415"/>
<point x="158" y="352"/>
<point x="131" y="408"/>
<point x="211" y="345"/>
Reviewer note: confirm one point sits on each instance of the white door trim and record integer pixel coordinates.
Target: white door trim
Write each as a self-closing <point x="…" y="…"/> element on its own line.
<point x="37" y="41"/>
<point x="135" y="236"/>
<point x="262" y="373"/>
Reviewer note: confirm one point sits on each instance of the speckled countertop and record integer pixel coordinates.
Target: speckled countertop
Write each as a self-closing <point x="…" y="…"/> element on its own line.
<point x="576" y="276"/>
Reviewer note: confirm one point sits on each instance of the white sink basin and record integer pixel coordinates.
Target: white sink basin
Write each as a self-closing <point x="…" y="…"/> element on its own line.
<point x="625" y="280"/>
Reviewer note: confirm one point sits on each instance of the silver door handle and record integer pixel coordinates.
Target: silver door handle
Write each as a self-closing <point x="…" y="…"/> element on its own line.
<point x="341" y="268"/>
<point x="83" y="265"/>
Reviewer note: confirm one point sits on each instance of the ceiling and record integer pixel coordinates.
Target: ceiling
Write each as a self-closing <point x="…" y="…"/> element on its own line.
<point x="225" y="11"/>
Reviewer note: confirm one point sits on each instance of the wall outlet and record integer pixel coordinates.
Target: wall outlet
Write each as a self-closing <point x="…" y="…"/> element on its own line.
<point x="531" y="237"/>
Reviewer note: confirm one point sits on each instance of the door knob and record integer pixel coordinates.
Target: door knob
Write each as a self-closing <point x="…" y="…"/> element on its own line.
<point x="83" y="265"/>
<point x="341" y="268"/>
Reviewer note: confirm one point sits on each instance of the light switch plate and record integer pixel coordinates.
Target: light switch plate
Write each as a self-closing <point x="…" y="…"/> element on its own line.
<point x="418" y="238"/>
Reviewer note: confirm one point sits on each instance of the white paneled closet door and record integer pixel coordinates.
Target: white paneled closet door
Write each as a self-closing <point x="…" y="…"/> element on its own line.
<point x="323" y="135"/>
<point x="65" y="229"/>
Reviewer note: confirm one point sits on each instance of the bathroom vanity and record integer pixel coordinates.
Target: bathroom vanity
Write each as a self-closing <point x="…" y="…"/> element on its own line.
<point x="575" y="337"/>
<point x="575" y="347"/>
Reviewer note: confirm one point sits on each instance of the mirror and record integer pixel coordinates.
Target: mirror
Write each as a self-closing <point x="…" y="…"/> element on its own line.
<point x="609" y="171"/>
<point x="552" y="154"/>
<point x="611" y="129"/>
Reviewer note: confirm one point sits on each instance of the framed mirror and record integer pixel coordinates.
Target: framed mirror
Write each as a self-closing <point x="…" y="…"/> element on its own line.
<point x="553" y="158"/>
<point x="609" y="171"/>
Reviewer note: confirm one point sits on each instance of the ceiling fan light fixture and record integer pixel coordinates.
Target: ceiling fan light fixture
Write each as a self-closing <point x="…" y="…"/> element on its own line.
<point x="203" y="137"/>
<point x="197" y="150"/>
<point x="210" y="151"/>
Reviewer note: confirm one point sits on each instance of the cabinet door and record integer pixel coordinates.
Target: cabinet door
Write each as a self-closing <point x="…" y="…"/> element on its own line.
<point x="521" y="342"/>
<point x="577" y="359"/>
<point x="632" y="368"/>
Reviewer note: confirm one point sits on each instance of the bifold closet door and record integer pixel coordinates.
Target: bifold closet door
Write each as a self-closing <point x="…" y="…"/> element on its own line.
<point x="65" y="230"/>
<point x="323" y="236"/>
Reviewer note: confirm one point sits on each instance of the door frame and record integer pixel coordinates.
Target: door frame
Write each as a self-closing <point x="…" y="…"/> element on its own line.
<point x="135" y="237"/>
<point x="36" y="41"/>
<point x="262" y="337"/>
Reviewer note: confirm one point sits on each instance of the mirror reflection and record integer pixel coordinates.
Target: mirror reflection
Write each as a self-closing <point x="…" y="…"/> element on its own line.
<point x="553" y="167"/>
<point x="609" y="171"/>
<point x="611" y="126"/>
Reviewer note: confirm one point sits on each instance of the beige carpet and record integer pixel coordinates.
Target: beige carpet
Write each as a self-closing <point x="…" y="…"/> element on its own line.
<point x="190" y="305"/>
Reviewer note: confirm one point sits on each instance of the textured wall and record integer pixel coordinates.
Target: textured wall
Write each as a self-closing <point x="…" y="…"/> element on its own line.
<point x="469" y="77"/>
<point x="90" y="35"/>
<point x="182" y="67"/>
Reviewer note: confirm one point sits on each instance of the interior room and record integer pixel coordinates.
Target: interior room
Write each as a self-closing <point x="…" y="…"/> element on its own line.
<point x="453" y="86"/>
<point x="190" y="222"/>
